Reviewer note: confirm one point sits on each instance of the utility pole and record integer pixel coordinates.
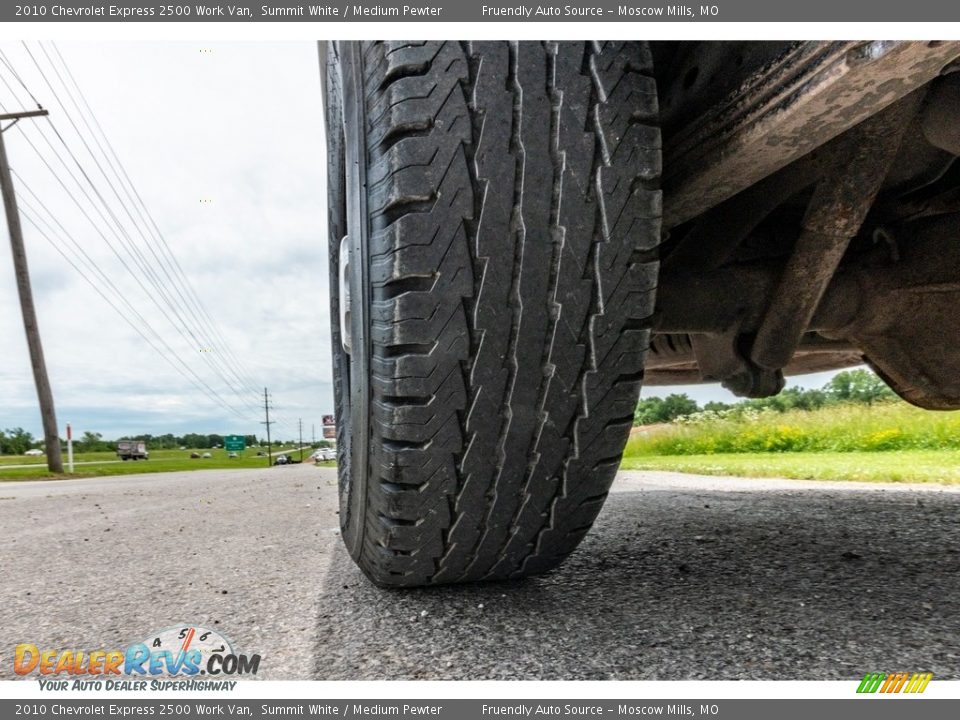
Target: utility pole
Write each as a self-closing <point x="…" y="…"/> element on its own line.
<point x="268" y="423"/>
<point x="300" y="424"/>
<point x="313" y="434"/>
<point x="69" y="448"/>
<point x="44" y="393"/>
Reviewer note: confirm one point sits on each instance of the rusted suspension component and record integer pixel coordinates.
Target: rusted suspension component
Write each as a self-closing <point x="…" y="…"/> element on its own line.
<point x="671" y="360"/>
<point x="840" y="203"/>
<point x="735" y="298"/>
<point x="898" y="314"/>
<point x="908" y="326"/>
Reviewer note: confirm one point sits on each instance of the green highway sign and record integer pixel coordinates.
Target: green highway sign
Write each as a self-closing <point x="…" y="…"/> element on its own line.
<point x="234" y="443"/>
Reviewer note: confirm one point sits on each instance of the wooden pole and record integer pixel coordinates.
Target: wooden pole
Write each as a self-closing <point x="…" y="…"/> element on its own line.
<point x="27" y="308"/>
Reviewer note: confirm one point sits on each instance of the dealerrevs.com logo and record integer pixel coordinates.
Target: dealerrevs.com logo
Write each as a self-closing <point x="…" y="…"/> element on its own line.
<point x="173" y="658"/>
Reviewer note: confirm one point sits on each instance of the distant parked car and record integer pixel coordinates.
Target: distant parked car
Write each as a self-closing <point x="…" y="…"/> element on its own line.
<point x="232" y="455"/>
<point x="33" y="452"/>
<point x="324" y="455"/>
<point x="282" y="460"/>
<point x="206" y="455"/>
<point x="194" y="455"/>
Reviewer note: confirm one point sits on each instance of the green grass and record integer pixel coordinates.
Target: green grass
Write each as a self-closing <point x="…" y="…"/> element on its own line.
<point x="41" y="460"/>
<point x="887" y="442"/>
<point x="917" y="466"/>
<point x="160" y="461"/>
<point x="838" y="428"/>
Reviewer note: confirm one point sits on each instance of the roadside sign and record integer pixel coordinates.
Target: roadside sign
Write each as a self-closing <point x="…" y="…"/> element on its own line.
<point x="234" y="443"/>
<point x="329" y="427"/>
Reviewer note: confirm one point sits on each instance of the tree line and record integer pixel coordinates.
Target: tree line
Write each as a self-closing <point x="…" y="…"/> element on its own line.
<point x="850" y="386"/>
<point x="16" y="441"/>
<point x="94" y="442"/>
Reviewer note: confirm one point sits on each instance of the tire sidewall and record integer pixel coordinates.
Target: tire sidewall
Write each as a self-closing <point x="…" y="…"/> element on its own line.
<point x="347" y="216"/>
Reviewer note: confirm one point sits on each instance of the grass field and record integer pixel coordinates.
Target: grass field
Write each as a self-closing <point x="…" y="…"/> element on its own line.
<point x="41" y="460"/>
<point x="836" y="428"/>
<point x="105" y="463"/>
<point x="888" y="442"/>
<point x="920" y="466"/>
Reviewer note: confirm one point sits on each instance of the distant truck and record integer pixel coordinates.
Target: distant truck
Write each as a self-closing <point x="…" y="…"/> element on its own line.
<point x="132" y="450"/>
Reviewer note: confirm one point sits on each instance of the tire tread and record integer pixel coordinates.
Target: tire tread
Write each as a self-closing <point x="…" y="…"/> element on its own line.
<point x="512" y="242"/>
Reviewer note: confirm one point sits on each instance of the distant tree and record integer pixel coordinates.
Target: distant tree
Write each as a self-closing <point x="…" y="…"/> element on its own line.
<point x="716" y="406"/>
<point x="193" y="441"/>
<point x="659" y="410"/>
<point x="15" y="441"/>
<point x="165" y="442"/>
<point x="675" y="406"/>
<point x="850" y="386"/>
<point x="92" y="442"/>
<point x="810" y="399"/>
<point x="649" y="410"/>
<point x="794" y="398"/>
<point x="861" y="386"/>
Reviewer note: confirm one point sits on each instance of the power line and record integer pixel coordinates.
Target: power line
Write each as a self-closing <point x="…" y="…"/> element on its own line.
<point x="118" y="255"/>
<point x="3" y="58"/>
<point x="196" y="381"/>
<point x="173" y="291"/>
<point x="128" y="246"/>
<point x="147" y="241"/>
<point x="182" y="325"/>
<point x="218" y="398"/>
<point x="105" y="279"/>
<point x="212" y="324"/>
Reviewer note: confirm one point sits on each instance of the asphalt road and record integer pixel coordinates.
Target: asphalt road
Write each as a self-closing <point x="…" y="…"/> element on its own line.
<point x="683" y="577"/>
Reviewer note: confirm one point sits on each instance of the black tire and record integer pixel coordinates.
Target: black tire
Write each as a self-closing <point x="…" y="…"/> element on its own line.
<point x="503" y="213"/>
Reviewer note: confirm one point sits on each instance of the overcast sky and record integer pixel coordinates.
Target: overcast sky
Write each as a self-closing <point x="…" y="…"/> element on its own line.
<point x="224" y="142"/>
<point x="238" y="126"/>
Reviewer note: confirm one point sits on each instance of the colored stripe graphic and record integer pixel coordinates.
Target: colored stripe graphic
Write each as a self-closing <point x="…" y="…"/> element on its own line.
<point x="871" y="682"/>
<point x="894" y="682"/>
<point x="918" y="683"/>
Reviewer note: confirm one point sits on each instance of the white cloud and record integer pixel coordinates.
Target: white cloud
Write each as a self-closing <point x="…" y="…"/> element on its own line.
<point x="240" y="126"/>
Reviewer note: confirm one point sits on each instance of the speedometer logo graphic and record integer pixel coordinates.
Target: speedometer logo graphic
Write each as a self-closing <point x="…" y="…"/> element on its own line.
<point x="178" y="650"/>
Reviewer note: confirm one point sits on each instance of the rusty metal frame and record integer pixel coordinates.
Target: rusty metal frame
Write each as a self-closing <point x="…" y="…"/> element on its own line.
<point x="809" y="95"/>
<point x="896" y="311"/>
<point x="839" y="205"/>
